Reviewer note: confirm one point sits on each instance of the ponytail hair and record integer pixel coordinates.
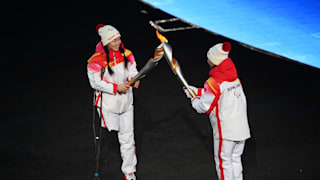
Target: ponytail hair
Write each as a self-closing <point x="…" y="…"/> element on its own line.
<point x="125" y="57"/>
<point x="108" y="59"/>
<point x="121" y="48"/>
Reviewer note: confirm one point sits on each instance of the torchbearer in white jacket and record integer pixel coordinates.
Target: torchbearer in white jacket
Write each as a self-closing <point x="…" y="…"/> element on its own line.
<point x="223" y="98"/>
<point x="109" y="70"/>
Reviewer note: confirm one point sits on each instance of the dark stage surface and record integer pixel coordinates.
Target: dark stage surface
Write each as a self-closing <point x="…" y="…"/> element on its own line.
<point x="46" y="114"/>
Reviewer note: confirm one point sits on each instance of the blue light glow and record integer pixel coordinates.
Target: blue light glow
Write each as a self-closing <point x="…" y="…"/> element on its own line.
<point x="284" y="27"/>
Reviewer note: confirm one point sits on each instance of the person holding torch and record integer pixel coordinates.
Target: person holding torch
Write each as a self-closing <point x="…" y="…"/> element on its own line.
<point x="109" y="71"/>
<point x="223" y="99"/>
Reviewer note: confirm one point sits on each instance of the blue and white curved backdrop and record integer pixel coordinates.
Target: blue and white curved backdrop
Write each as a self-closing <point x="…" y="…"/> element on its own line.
<point x="289" y="28"/>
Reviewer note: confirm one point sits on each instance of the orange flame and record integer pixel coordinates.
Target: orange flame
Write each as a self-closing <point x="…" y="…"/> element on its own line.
<point x="161" y="37"/>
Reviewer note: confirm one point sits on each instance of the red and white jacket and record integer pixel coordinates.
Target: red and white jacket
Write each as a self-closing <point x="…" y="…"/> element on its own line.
<point x="112" y="101"/>
<point x="224" y="100"/>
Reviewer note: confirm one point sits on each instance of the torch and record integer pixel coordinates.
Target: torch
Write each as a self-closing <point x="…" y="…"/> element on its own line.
<point x="173" y="63"/>
<point x="152" y="62"/>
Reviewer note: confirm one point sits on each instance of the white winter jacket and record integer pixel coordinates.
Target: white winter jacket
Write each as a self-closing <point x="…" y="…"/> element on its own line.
<point x="224" y="100"/>
<point x="112" y="101"/>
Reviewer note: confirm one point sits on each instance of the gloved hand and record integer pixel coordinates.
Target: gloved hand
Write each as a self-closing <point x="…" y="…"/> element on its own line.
<point x="194" y="89"/>
<point x="187" y="93"/>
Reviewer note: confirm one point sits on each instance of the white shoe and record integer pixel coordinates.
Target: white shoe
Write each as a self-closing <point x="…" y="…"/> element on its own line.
<point x="130" y="176"/>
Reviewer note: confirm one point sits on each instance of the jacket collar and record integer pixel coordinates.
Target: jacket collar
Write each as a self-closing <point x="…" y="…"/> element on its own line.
<point x="226" y="71"/>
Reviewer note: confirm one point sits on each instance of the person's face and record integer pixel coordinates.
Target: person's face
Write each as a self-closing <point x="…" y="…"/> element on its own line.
<point x="114" y="44"/>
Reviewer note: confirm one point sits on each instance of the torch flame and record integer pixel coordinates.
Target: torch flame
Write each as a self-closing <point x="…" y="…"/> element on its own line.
<point x="161" y="37"/>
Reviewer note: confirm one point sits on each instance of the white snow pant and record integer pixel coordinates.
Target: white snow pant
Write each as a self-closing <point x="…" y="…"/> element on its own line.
<point x="227" y="156"/>
<point x="127" y="144"/>
<point x="123" y="123"/>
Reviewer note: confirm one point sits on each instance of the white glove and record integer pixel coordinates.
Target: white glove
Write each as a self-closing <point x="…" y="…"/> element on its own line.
<point x="194" y="89"/>
<point x="187" y="93"/>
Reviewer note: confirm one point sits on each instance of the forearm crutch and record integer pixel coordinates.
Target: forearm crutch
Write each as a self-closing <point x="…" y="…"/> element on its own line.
<point x="97" y="135"/>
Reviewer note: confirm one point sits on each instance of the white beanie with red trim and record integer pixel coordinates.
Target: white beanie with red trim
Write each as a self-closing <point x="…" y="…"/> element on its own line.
<point x="219" y="52"/>
<point x="107" y="33"/>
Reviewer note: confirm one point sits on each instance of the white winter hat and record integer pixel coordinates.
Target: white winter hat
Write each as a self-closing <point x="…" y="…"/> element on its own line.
<point x="219" y="52"/>
<point x="107" y="33"/>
